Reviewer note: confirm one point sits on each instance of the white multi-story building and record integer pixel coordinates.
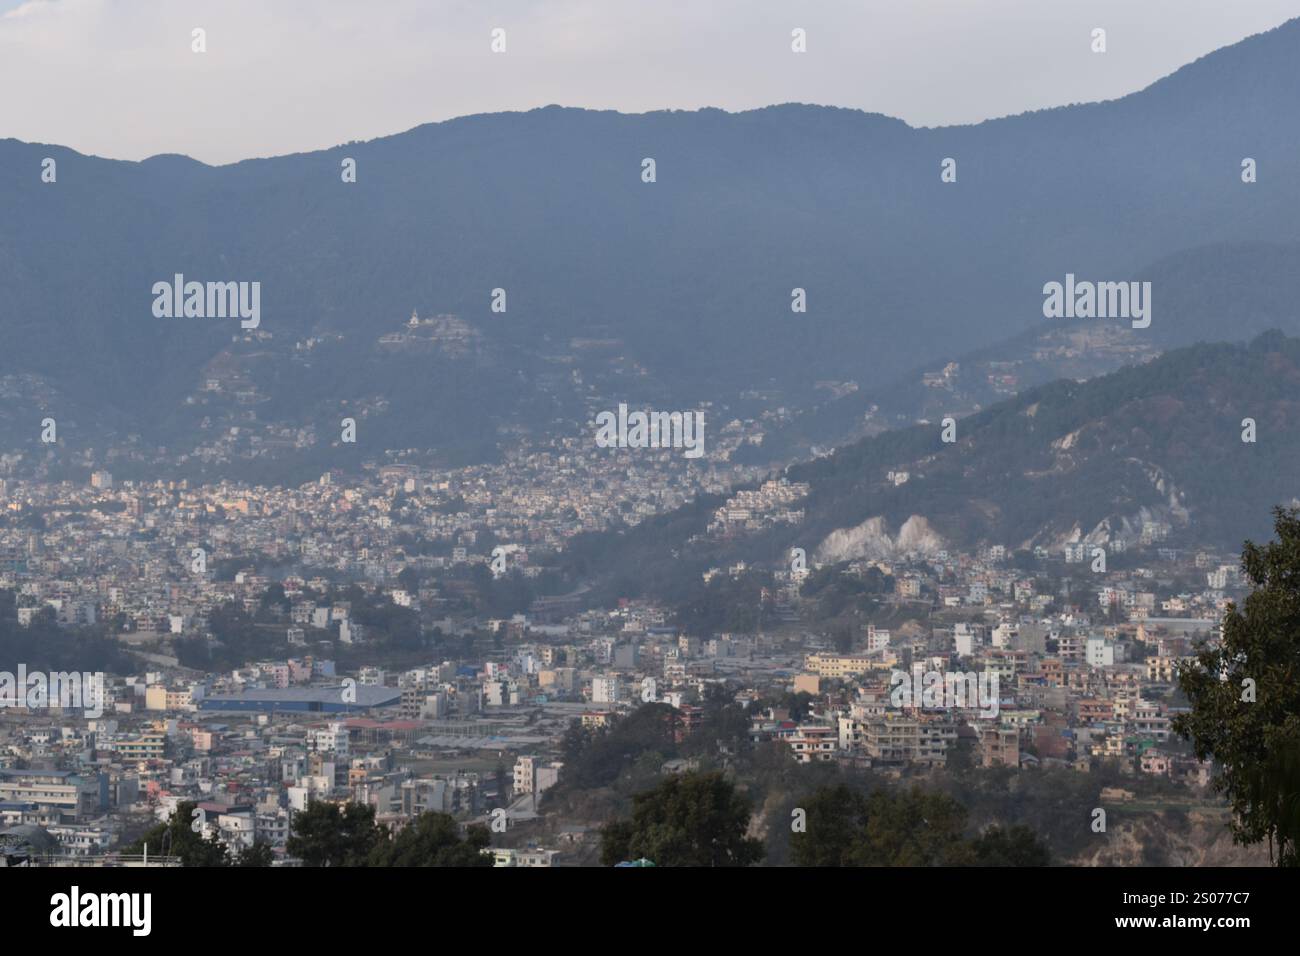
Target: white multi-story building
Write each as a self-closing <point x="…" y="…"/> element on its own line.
<point x="525" y="776"/>
<point x="604" y="690"/>
<point x="877" y="638"/>
<point x="330" y="739"/>
<point x="1099" y="652"/>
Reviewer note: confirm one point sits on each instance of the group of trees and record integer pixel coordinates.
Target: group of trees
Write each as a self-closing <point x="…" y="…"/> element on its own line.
<point x="694" y="819"/>
<point x="843" y="826"/>
<point x="726" y="603"/>
<point x="326" y="834"/>
<point x="833" y="593"/>
<point x="701" y="819"/>
<point x="239" y="637"/>
<point x="46" y="646"/>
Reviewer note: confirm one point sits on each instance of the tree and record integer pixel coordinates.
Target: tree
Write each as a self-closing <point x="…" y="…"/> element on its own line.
<point x="575" y="742"/>
<point x="259" y="854"/>
<point x="1015" y="846"/>
<point x="275" y="598"/>
<point x="834" y="818"/>
<point x="1245" y="697"/>
<point x="177" y="838"/>
<point x="328" y="835"/>
<point x="502" y="779"/>
<point x="842" y="636"/>
<point x="434" y="840"/>
<point x="961" y="756"/>
<point x="695" y="819"/>
<point x="799" y="705"/>
<point x="409" y="579"/>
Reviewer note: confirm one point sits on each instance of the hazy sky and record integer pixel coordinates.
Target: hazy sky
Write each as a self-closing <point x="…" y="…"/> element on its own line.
<point x="117" y="77"/>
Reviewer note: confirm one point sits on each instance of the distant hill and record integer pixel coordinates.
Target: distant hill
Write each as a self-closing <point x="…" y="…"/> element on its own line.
<point x="1150" y="448"/>
<point x="689" y="277"/>
<point x="1224" y="291"/>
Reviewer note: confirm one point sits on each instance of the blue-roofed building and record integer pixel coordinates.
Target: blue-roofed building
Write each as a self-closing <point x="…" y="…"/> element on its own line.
<point x="307" y="700"/>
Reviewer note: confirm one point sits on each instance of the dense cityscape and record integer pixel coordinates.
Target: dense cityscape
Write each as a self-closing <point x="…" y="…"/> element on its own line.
<point x="404" y="560"/>
<point x="768" y="438"/>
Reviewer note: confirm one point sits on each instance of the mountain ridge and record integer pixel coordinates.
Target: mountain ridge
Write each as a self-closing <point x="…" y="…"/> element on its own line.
<point x="1202" y="62"/>
<point x="692" y="275"/>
